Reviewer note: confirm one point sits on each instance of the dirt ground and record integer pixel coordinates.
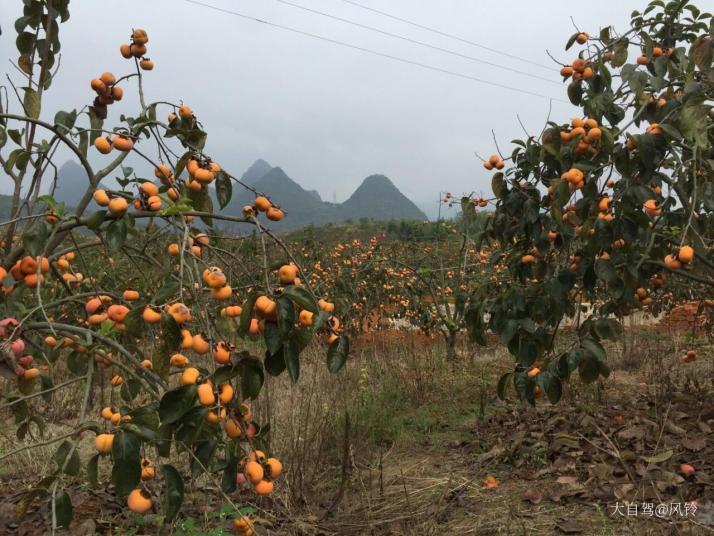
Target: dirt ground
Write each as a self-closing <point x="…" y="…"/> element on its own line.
<point x="605" y="461"/>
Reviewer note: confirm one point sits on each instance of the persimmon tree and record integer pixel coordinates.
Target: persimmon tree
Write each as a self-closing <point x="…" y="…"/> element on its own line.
<point x="419" y="279"/>
<point x="611" y="207"/>
<point x="133" y="287"/>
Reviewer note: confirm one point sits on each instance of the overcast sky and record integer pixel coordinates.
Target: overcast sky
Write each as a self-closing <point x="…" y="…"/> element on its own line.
<point x="328" y="115"/>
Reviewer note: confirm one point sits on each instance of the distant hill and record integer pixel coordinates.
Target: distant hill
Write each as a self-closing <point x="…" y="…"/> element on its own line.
<point x="377" y="198"/>
<point x="71" y="184"/>
<point x="303" y="207"/>
<point x="72" y="181"/>
<point x="256" y="171"/>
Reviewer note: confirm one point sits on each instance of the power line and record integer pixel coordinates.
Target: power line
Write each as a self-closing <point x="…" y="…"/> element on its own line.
<point x="375" y="52"/>
<point x="446" y="34"/>
<point x="416" y="42"/>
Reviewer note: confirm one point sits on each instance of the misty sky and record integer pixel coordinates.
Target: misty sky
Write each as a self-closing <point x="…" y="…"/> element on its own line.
<point x="330" y="116"/>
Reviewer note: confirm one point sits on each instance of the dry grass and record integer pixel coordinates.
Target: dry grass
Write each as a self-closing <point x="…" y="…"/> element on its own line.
<point x="387" y="445"/>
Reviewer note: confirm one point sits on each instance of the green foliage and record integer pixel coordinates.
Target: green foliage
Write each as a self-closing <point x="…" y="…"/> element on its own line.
<point x="563" y="227"/>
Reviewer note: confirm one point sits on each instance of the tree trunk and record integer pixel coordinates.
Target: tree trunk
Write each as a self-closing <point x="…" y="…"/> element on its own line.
<point x="450" y="338"/>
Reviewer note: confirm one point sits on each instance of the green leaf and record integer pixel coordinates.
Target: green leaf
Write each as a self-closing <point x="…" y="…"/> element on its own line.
<point x="39" y="422"/>
<point x="168" y="289"/>
<point x="172" y="496"/>
<point x="571" y="40"/>
<point x="251" y="377"/>
<point x="65" y="120"/>
<point x="607" y="328"/>
<point x="93" y="471"/>
<point x="228" y="482"/>
<point x="605" y="35"/>
<point x="46" y="383"/>
<point x="286" y="316"/>
<point x="204" y="453"/>
<point x="176" y="403"/>
<point x="575" y="92"/>
<point x="190" y="427"/>
<point x="619" y="56"/>
<point x="551" y="141"/>
<point x="588" y="367"/>
<point x="84" y="142"/>
<point x="77" y="363"/>
<point x="291" y="354"/>
<point x="68" y="455"/>
<point x="225" y="374"/>
<point x="202" y="203"/>
<point x="503" y="385"/>
<point x="274" y="363"/>
<point x="35" y="239"/>
<point x="116" y="235"/>
<point x="337" y="354"/>
<point x="273" y="337"/>
<point x="130" y="389"/>
<point x="126" y="454"/>
<point x="606" y="271"/>
<point x="224" y="188"/>
<point x="63" y="509"/>
<point x="31" y="103"/>
<point x="497" y="185"/>
<point x="550" y="385"/>
<point x="95" y="219"/>
<point x="16" y="135"/>
<point x="181" y="164"/>
<point x="146" y="416"/>
<point x="19" y="410"/>
<point x="25" y="42"/>
<point x="595" y="348"/>
<point x="693" y="123"/>
<point x="302" y="297"/>
<point x="163" y="440"/>
<point x="170" y="330"/>
<point x="247" y="312"/>
<point x="95" y="125"/>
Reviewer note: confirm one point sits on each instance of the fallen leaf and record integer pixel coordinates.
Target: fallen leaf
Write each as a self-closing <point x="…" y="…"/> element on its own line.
<point x="567" y="480"/>
<point x="633" y="432"/>
<point x="694" y="444"/>
<point x="674" y="429"/>
<point x="564" y="440"/>
<point x="602" y="471"/>
<point x="532" y="496"/>
<point x="667" y="479"/>
<point x="496" y="451"/>
<point x="569" y="527"/>
<point x="659" y="458"/>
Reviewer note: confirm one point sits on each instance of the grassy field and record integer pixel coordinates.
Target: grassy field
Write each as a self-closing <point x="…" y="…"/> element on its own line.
<point x="401" y="443"/>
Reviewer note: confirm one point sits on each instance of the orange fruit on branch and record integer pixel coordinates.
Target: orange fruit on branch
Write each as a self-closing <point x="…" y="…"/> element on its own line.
<point x="189" y="376"/>
<point x="262" y="203"/>
<point x="103" y="145"/>
<point x="139" y="502"/>
<point x="104" y="442"/>
<point x="686" y="254"/>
